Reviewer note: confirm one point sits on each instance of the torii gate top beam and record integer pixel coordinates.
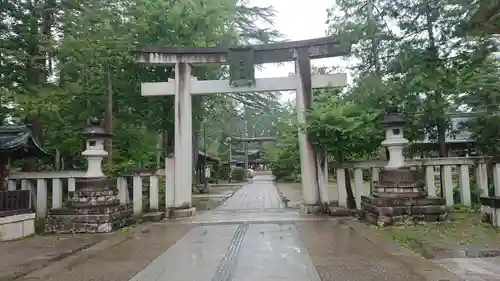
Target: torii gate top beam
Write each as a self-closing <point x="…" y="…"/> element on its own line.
<point x="256" y="139"/>
<point x="266" y="53"/>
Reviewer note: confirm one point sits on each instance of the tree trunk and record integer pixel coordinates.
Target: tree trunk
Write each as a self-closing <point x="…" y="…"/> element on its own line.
<point x="108" y="122"/>
<point x="431" y="18"/>
<point x="57" y="160"/>
<point x="351" y="201"/>
<point x="372" y="25"/>
<point x="159" y="148"/>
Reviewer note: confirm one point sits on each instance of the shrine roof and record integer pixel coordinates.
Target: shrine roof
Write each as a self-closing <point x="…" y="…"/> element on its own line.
<point x="19" y="139"/>
<point x="210" y="157"/>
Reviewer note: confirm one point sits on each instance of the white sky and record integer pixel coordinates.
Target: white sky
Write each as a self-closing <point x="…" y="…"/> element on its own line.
<point x="297" y="20"/>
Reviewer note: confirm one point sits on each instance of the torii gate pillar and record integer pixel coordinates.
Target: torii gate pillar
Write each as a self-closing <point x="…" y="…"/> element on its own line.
<point x="310" y="172"/>
<point x="183" y="133"/>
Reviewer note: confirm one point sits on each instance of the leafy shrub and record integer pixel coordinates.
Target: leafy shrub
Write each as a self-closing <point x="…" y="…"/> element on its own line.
<point x="290" y="178"/>
<point x="238" y="174"/>
<point x="286" y="166"/>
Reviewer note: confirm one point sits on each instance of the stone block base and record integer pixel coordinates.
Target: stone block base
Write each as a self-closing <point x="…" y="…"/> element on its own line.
<point x="76" y="221"/>
<point x="335" y="211"/>
<point x="400" y="211"/>
<point x="402" y="220"/>
<point x="315" y="209"/>
<point x="490" y="210"/>
<point x="17" y="226"/>
<point x="182" y="213"/>
<point x="402" y="201"/>
<point x="154" y="217"/>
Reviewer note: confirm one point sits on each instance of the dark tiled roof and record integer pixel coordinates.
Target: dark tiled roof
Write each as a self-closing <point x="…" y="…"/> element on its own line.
<point x="16" y="137"/>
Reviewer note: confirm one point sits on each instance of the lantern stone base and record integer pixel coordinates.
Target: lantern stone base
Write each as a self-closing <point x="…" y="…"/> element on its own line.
<point x="400" y="198"/>
<point x="182" y="213"/>
<point x="94" y="208"/>
<point x="386" y="211"/>
<point x="332" y="208"/>
<point x="311" y="209"/>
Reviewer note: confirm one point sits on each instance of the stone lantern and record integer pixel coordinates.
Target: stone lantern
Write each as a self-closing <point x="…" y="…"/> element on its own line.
<point x="94" y="206"/>
<point x="95" y="136"/>
<point x="393" y="123"/>
<point x="399" y="195"/>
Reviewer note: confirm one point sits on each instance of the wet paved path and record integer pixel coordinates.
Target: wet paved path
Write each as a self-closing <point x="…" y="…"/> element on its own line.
<point x="252" y="237"/>
<point x="261" y="194"/>
<point x="256" y="240"/>
<point x="245" y="239"/>
<point x="242" y="252"/>
<point x="473" y="269"/>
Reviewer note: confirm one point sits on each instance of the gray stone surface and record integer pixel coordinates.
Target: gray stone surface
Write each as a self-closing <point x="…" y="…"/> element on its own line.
<point x="182" y="213"/>
<point x="195" y="256"/>
<point x="311" y="209"/>
<point x="260" y="194"/>
<point x="260" y="244"/>
<point x="234" y="252"/>
<point x="341" y="253"/>
<point x="473" y="269"/>
<point x="274" y="252"/>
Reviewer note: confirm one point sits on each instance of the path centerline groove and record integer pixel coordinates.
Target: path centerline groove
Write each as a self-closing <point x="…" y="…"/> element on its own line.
<point x="226" y="266"/>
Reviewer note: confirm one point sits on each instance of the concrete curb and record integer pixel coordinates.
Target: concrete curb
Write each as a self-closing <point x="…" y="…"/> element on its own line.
<point x="428" y="270"/>
<point x="77" y="255"/>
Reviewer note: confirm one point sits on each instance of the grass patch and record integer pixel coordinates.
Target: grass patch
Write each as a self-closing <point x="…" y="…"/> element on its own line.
<point x="463" y="235"/>
<point x="206" y="204"/>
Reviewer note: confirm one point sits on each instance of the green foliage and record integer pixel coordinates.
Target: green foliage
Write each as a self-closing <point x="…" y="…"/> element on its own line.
<point x="418" y="55"/>
<point x="341" y="127"/>
<point x="286" y="165"/>
<point x="90" y="67"/>
<point x="284" y="157"/>
<point x="239" y="174"/>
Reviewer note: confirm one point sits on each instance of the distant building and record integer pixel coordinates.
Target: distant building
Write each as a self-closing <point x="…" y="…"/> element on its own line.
<point x="458" y="140"/>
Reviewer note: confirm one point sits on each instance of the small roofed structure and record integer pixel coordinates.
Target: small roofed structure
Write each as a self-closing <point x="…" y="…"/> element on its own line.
<point x="212" y="161"/>
<point x="18" y="218"/>
<point x="17" y="142"/>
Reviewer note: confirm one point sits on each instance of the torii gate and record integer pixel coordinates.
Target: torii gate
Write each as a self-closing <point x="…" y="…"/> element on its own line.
<point x="242" y="61"/>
